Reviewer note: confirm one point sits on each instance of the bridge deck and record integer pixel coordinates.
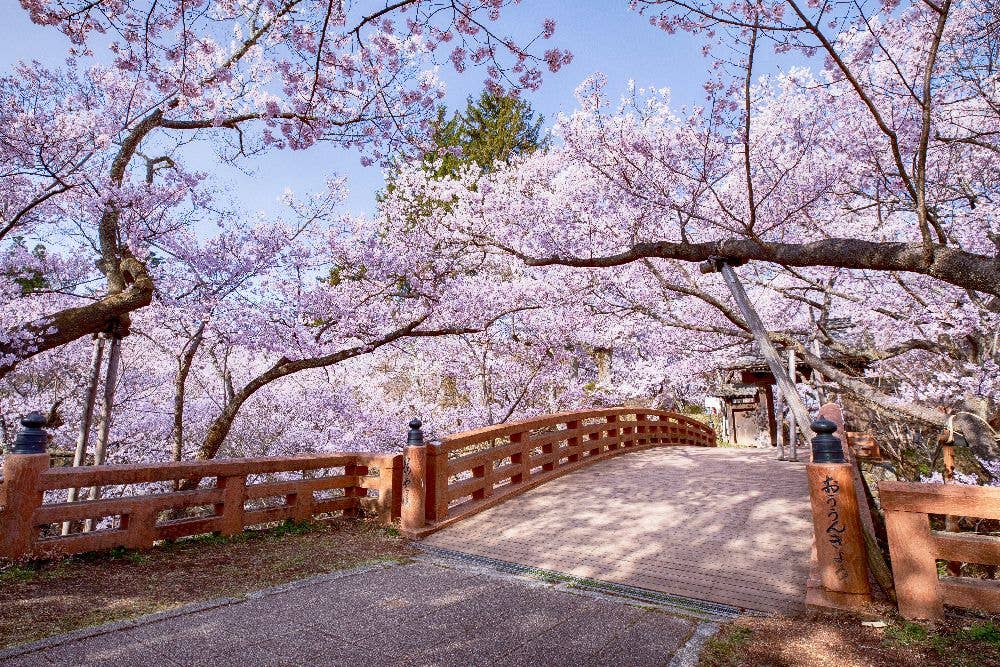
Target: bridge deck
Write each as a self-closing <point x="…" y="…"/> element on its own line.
<point x="730" y="526"/>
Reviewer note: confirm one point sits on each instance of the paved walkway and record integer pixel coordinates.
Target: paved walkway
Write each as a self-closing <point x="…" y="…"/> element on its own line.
<point x="731" y="526"/>
<point x="424" y="613"/>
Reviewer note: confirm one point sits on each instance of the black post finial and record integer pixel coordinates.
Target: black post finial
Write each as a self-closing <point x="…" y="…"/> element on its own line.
<point x="826" y="447"/>
<point x="32" y="438"/>
<point x="415" y="438"/>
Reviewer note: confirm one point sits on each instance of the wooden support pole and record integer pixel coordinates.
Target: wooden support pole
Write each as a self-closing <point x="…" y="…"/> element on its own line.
<point x="779" y="408"/>
<point x="785" y="383"/>
<point x="87" y="419"/>
<point x="951" y="522"/>
<point x="233" y="500"/>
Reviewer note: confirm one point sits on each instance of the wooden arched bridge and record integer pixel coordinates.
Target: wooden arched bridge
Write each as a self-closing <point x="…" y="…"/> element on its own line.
<point x="674" y="515"/>
<point x="629" y="496"/>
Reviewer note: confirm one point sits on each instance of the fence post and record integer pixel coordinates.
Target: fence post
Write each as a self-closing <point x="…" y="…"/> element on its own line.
<point x="414" y="509"/>
<point x="840" y="547"/>
<point x="231" y="508"/>
<point x="25" y="462"/>
<point x="914" y="567"/>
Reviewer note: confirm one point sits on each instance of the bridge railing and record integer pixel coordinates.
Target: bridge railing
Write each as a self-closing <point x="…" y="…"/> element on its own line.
<point x="240" y="493"/>
<point x="471" y="471"/>
<point x="916" y="549"/>
<point x="136" y="505"/>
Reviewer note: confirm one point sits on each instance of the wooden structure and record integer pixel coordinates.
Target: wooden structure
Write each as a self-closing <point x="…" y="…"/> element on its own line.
<point x="721" y="525"/>
<point x="915" y="548"/>
<point x="276" y="489"/>
<point x="472" y="471"/>
<point x="747" y="414"/>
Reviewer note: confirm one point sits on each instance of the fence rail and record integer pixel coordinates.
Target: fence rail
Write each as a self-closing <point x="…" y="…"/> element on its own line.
<point x="916" y="549"/>
<point x="469" y="472"/>
<point x="31" y="527"/>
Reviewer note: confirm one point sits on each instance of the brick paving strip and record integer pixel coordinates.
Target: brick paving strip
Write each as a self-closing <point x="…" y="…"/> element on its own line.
<point x="730" y="526"/>
<point x="428" y="612"/>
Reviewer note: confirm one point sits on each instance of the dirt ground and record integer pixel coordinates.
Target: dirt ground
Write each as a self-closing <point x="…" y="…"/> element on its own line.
<point x="963" y="641"/>
<point x="40" y="599"/>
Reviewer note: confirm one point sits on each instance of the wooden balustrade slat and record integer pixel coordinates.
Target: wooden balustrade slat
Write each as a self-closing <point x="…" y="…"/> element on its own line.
<point x="451" y="443"/>
<point x="172" y="530"/>
<point x="476" y="459"/>
<point x="74" y="544"/>
<point x="66" y="478"/>
<point x="338" y="504"/>
<point x="980" y="594"/>
<point x="96" y="509"/>
<point x="466" y="487"/>
<point x="967" y="547"/>
<point x="267" y="515"/>
<point x="285" y="487"/>
<point x="506" y="472"/>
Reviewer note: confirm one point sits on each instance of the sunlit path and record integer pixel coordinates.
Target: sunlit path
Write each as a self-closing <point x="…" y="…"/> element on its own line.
<point x="730" y="526"/>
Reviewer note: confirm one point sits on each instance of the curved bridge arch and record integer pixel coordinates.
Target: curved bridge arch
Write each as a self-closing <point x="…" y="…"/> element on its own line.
<point x="471" y="471"/>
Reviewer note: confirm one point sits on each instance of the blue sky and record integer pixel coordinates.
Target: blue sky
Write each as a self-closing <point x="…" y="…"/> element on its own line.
<point x="604" y="35"/>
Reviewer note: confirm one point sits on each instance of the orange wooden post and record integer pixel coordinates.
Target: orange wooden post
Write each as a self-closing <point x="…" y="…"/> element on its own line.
<point x="596" y="443"/>
<point x="641" y="429"/>
<point x="914" y="568"/>
<point x="436" y="506"/>
<point x="613" y="440"/>
<point x="357" y="491"/>
<point x="840" y="548"/>
<point x="520" y="458"/>
<point x="140" y="526"/>
<point x="414" y="512"/>
<point x="386" y="489"/>
<point x="951" y="522"/>
<point x="17" y="530"/>
<point x="232" y="506"/>
<point x="573" y="442"/>
<point x="24" y="464"/>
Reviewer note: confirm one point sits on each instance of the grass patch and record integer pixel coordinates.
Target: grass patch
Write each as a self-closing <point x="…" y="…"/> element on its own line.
<point x="44" y="598"/>
<point x="727" y="647"/>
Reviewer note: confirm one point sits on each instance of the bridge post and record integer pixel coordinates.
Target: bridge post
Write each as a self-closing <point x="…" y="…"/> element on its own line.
<point x="841" y="561"/>
<point x="413" y="514"/>
<point x="25" y="463"/>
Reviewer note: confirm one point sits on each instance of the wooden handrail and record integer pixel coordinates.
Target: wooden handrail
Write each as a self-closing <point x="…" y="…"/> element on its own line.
<point x="471" y="471"/>
<point x="484" y="434"/>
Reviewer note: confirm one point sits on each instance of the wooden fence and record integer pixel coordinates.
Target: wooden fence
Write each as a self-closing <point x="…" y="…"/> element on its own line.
<point x="471" y="471"/>
<point x="241" y="493"/>
<point x="916" y="549"/>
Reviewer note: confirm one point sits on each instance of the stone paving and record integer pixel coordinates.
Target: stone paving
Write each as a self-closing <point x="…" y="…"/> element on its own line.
<point x="730" y="526"/>
<point x="423" y="613"/>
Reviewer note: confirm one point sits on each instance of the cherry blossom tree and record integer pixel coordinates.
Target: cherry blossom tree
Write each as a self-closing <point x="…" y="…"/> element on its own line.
<point x="99" y="144"/>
